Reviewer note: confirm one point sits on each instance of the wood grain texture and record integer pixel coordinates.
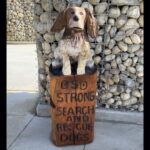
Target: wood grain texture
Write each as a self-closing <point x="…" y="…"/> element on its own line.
<point x="73" y="109"/>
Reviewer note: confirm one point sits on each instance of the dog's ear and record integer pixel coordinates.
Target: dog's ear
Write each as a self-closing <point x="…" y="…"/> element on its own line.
<point x="91" y="24"/>
<point x="60" y="22"/>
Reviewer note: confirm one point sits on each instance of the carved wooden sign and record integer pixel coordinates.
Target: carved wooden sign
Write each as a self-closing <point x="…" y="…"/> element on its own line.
<point x="73" y="111"/>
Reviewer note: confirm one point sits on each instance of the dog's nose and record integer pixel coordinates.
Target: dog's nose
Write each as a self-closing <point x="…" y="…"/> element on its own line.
<point x="75" y="18"/>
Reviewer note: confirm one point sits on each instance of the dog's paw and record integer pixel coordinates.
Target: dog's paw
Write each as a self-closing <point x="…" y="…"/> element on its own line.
<point x="80" y="71"/>
<point x="66" y="72"/>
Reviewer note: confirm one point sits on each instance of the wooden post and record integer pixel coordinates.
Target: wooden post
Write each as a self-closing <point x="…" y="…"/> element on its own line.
<point x="73" y="109"/>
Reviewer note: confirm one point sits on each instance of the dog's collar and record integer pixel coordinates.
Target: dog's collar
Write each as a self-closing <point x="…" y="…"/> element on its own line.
<point x="72" y="32"/>
<point x="76" y="29"/>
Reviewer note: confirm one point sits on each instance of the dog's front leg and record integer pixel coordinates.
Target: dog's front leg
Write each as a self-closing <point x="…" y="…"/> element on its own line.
<point x="83" y="58"/>
<point x="81" y="65"/>
<point x="66" y="65"/>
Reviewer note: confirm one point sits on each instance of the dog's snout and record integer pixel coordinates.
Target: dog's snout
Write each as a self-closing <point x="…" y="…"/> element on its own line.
<point x="75" y="18"/>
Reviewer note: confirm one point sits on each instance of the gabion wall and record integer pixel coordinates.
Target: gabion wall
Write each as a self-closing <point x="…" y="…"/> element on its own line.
<point x="20" y="15"/>
<point x="118" y="49"/>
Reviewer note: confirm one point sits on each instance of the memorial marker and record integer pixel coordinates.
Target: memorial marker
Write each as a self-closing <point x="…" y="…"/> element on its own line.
<point x="73" y="109"/>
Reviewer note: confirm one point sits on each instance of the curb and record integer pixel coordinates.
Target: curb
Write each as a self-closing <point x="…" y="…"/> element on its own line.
<point x="119" y="116"/>
<point x="21" y="42"/>
<point x="42" y="110"/>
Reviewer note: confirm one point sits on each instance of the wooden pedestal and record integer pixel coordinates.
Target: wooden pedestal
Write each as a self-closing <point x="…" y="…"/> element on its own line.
<point x="73" y="109"/>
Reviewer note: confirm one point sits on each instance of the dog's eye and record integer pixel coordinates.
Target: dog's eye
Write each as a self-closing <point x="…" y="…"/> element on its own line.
<point x="72" y="12"/>
<point x="81" y="13"/>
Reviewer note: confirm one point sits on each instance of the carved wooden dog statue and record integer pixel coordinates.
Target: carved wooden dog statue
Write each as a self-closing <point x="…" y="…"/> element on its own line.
<point x="78" y="23"/>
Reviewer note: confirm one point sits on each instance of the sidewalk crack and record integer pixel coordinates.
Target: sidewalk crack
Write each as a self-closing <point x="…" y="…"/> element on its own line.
<point x="20" y="133"/>
<point x="84" y="147"/>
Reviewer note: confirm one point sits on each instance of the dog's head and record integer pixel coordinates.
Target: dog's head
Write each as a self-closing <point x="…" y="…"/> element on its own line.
<point x="78" y="18"/>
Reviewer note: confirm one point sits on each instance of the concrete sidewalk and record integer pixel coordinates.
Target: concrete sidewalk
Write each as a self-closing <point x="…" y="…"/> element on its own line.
<point x="20" y="111"/>
<point x="26" y="131"/>
<point x="22" y="88"/>
<point x="35" y="135"/>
